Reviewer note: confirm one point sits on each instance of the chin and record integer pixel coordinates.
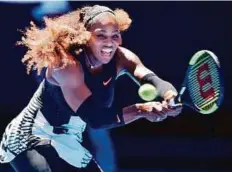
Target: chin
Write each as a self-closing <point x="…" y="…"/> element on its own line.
<point x="106" y="60"/>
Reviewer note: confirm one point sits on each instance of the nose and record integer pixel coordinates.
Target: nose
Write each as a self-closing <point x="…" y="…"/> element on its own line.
<point x="109" y="42"/>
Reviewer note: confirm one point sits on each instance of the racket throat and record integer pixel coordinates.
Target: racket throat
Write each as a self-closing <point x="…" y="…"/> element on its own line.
<point x="180" y="94"/>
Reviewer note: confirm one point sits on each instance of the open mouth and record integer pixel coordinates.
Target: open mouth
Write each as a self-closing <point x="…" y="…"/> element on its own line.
<point x="106" y="51"/>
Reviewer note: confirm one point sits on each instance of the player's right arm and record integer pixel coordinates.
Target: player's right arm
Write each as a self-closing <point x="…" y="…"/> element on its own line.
<point x="80" y="99"/>
<point x="128" y="60"/>
<point x="71" y="81"/>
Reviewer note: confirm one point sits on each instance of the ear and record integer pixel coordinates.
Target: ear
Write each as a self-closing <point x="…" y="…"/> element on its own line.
<point x="87" y="44"/>
<point x="120" y="40"/>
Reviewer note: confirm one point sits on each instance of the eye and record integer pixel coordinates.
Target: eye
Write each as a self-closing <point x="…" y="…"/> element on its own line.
<point x="115" y="37"/>
<point x="101" y="36"/>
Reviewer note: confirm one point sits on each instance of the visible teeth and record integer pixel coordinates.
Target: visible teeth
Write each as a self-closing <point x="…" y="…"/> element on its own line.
<point x="105" y="53"/>
<point x="106" y="50"/>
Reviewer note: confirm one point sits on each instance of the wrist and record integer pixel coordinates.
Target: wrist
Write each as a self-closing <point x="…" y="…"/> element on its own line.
<point x="161" y="85"/>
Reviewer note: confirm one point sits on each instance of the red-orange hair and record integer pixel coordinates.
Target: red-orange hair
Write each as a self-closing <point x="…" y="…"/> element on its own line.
<point x="66" y="30"/>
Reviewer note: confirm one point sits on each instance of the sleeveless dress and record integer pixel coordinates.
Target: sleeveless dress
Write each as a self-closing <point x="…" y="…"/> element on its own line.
<point x="48" y="119"/>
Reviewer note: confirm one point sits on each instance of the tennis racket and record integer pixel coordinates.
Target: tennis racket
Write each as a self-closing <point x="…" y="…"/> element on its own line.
<point x="202" y="89"/>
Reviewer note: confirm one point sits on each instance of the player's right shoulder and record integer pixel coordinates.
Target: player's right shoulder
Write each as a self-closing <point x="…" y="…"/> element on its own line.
<point x="69" y="76"/>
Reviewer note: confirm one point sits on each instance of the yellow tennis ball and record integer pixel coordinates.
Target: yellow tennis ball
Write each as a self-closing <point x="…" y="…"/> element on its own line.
<point x="147" y="92"/>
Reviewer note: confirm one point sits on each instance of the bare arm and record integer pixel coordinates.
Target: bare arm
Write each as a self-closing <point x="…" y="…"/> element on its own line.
<point x="107" y="118"/>
<point x="150" y="111"/>
<point x="70" y="79"/>
<point x="80" y="99"/>
<point x="131" y="62"/>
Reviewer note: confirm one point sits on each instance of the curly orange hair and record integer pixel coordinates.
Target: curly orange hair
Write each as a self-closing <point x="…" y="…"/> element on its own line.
<point x="67" y="31"/>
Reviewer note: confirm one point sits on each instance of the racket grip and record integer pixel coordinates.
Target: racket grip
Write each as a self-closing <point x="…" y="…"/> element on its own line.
<point x="172" y="102"/>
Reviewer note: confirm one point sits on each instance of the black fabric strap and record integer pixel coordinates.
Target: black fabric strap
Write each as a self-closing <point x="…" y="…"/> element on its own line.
<point x="161" y="85"/>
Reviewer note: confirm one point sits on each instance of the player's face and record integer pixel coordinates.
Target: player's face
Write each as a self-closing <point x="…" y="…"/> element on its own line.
<point x="105" y="38"/>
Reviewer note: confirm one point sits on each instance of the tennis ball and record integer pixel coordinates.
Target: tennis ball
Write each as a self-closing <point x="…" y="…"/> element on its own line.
<point x="147" y="92"/>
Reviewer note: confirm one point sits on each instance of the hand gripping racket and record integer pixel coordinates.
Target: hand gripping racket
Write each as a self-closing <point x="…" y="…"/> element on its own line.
<point x="202" y="89"/>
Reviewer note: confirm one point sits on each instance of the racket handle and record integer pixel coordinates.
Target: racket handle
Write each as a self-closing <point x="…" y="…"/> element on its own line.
<point x="174" y="103"/>
<point x="177" y="100"/>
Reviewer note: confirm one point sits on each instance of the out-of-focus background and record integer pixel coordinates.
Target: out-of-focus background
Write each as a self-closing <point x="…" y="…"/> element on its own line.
<point x="164" y="35"/>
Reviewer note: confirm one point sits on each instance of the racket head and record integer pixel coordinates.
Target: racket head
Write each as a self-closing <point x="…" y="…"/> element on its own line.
<point x="204" y="82"/>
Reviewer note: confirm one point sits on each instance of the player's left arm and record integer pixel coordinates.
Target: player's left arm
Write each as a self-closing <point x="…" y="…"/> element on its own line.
<point x="131" y="62"/>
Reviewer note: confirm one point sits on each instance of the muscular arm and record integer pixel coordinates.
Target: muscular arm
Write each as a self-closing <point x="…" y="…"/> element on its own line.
<point x="85" y="105"/>
<point x="131" y="62"/>
<point x="71" y="82"/>
<point x="100" y="117"/>
<point x="81" y="101"/>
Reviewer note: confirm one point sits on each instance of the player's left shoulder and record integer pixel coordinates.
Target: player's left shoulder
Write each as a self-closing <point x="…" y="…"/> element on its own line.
<point x="125" y="52"/>
<point x="125" y="55"/>
<point x="126" y="59"/>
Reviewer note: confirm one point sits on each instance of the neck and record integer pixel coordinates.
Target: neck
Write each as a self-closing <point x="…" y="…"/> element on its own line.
<point x="91" y="62"/>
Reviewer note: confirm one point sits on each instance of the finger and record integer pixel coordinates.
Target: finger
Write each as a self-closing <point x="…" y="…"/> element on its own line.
<point x="145" y="107"/>
<point x="164" y="110"/>
<point x="159" y="114"/>
<point x="157" y="106"/>
<point x="178" y="105"/>
<point x="169" y="95"/>
<point x="165" y="104"/>
<point x="149" y="107"/>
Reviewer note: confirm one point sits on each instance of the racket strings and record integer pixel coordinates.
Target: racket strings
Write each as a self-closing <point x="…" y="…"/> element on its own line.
<point x="209" y="82"/>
